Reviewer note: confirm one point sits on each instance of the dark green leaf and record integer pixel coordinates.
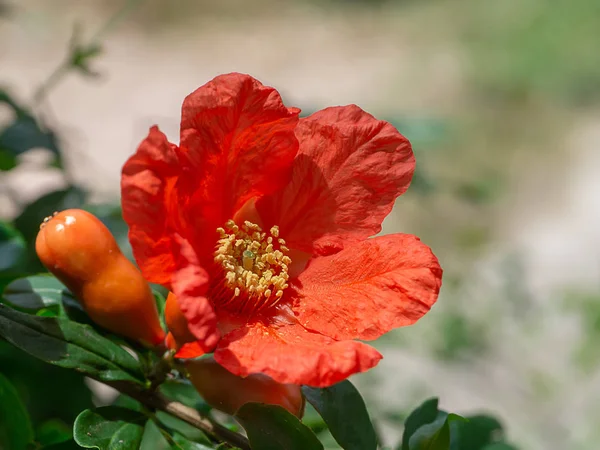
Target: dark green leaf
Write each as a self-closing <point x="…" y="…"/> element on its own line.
<point x="435" y="435"/>
<point x="65" y="445"/>
<point x="12" y="247"/>
<point x="272" y="427"/>
<point x="154" y="438"/>
<point x="184" y="392"/>
<point x="66" y="398"/>
<point x="423" y="415"/>
<point x="8" y="160"/>
<point x="15" y="427"/>
<point x="53" y="432"/>
<point x="69" y="344"/>
<point x="476" y="432"/>
<point x="109" y="428"/>
<point x="499" y="446"/>
<point x="185" y="429"/>
<point x="345" y="413"/>
<point x="182" y="443"/>
<point x="28" y="222"/>
<point x="38" y="291"/>
<point x="24" y="134"/>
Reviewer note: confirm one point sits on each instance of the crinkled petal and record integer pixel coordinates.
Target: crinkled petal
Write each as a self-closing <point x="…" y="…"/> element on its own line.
<point x="369" y="288"/>
<point x="190" y="284"/>
<point x="349" y="170"/>
<point x="291" y="354"/>
<point x="146" y="190"/>
<point x="237" y="142"/>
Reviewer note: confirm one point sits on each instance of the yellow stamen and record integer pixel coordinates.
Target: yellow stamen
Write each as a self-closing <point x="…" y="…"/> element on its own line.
<point x="255" y="264"/>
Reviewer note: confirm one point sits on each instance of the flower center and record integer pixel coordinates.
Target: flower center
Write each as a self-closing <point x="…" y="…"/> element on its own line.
<point x="255" y="265"/>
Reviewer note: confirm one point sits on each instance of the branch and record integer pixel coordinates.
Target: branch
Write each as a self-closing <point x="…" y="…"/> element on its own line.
<point x="156" y="400"/>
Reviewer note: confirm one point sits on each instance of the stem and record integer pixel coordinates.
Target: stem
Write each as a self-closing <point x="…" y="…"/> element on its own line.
<point x="156" y="400"/>
<point x="64" y="67"/>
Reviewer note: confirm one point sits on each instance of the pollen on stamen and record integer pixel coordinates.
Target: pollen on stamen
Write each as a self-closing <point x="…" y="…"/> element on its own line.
<point x="255" y="266"/>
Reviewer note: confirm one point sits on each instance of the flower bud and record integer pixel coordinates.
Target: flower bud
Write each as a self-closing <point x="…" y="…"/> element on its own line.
<point x="82" y="253"/>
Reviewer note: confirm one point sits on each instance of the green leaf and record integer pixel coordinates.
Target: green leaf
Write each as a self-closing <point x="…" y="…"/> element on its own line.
<point x="435" y="435"/>
<point x="8" y="160"/>
<point x="109" y="428"/>
<point x="12" y="247"/>
<point x="16" y="431"/>
<point x="28" y="222"/>
<point x="426" y="413"/>
<point x="271" y="427"/>
<point x="53" y="432"/>
<point x="67" y="389"/>
<point x="24" y="134"/>
<point x="185" y="444"/>
<point x="476" y="432"/>
<point x="345" y="413"/>
<point x="183" y="428"/>
<point x="69" y="344"/>
<point x="38" y="291"/>
<point x="184" y="392"/>
<point x="499" y="446"/>
<point x="65" y="445"/>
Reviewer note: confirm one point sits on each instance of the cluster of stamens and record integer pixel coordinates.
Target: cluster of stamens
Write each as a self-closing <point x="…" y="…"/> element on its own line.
<point x="255" y="264"/>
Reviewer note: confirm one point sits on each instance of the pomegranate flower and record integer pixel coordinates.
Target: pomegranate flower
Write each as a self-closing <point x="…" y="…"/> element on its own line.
<point x="261" y="224"/>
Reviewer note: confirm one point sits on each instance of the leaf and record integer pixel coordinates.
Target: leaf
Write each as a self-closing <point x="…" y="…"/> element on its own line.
<point x="53" y="432"/>
<point x="109" y="428"/>
<point x="38" y="291"/>
<point x="435" y="435"/>
<point x="8" y="161"/>
<point x="65" y="445"/>
<point x="24" y="134"/>
<point x="345" y="413"/>
<point x="271" y="427"/>
<point x="16" y="431"/>
<point x="499" y="446"/>
<point x="67" y="389"/>
<point x="184" y="444"/>
<point x="28" y="222"/>
<point x="69" y="344"/>
<point x="426" y="413"/>
<point x="184" y="392"/>
<point x="12" y="247"/>
<point x="476" y="432"/>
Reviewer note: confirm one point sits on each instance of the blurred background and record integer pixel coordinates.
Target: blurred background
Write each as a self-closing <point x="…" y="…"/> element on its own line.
<point x="501" y="100"/>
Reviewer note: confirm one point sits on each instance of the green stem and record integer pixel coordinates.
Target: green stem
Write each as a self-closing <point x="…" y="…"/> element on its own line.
<point x="157" y="401"/>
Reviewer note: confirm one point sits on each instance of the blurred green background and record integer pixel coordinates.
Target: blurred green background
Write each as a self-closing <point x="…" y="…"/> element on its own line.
<point x="501" y="100"/>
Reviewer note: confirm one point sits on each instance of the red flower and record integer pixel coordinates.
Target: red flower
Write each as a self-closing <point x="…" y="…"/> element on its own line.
<point x="259" y="222"/>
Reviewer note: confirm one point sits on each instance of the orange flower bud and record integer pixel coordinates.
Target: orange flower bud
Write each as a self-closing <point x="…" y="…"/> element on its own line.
<point x="82" y="253"/>
<point x="227" y="392"/>
<point x="179" y="333"/>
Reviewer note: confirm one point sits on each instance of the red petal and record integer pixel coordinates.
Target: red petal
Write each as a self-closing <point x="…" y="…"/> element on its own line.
<point x="349" y="170"/>
<point x="238" y="142"/>
<point x="369" y="288"/>
<point x="291" y="354"/>
<point x="190" y="284"/>
<point x="190" y="350"/>
<point x="146" y="183"/>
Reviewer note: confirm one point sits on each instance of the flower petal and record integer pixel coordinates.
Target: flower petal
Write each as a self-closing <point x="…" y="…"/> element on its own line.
<point x="291" y="354"/>
<point x="190" y="285"/>
<point x="369" y="288"/>
<point x="146" y="183"/>
<point x="349" y="170"/>
<point x="237" y="142"/>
